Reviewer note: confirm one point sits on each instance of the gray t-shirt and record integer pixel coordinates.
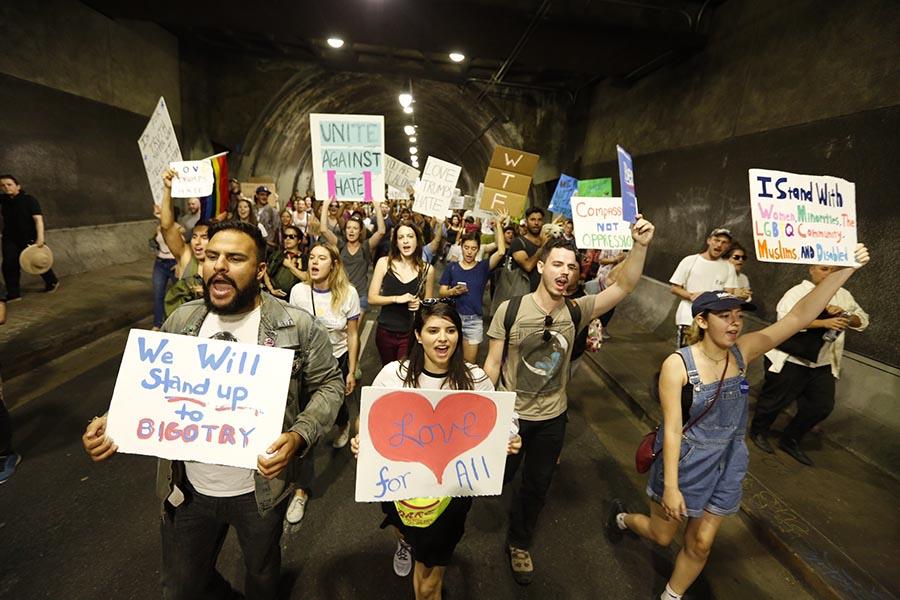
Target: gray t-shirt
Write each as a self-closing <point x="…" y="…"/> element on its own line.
<point x="357" y="267"/>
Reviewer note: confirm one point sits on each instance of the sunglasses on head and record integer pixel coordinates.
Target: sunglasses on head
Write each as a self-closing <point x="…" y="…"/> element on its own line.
<point x="433" y="301"/>
<point x="548" y="321"/>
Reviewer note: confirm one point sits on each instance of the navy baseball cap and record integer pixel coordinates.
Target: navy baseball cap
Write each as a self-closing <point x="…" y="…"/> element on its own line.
<point x="263" y="190"/>
<point x="718" y="300"/>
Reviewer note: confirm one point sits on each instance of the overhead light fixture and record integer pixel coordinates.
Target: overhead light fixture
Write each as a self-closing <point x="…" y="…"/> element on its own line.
<point x="407" y="110"/>
<point x="335" y="42"/>
<point x="412" y="140"/>
<point x="409" y="130"/>
<point x="457" y="57"/>
<point x="405" y="99"/>
<point x="413" y="150"/>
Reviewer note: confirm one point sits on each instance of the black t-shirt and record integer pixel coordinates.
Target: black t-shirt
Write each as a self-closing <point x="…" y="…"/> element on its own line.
<point x="522" y="243"/>
<point x="18" y="216"/>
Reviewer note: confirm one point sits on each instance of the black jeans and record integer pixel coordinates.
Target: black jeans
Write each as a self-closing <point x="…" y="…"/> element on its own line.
<point x="5" y="427"/>
<point x="542" y="441"/>
<point x="192" y="536"/>
<point x="812" y="389"/>
<point x="12" y="272"/>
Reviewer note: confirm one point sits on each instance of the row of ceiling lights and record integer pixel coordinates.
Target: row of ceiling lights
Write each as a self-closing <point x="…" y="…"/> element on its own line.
<point x="336" y="42"/>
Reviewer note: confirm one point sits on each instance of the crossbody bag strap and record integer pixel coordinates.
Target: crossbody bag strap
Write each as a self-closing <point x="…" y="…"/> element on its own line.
<point x="716" y="397"/>
<point x="312" y="300"/>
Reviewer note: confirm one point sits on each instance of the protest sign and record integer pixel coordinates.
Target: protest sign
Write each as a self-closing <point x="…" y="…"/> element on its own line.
<point x="493" y="200"/>
<point x="399" y="174"/>
<point x="507" y="181"/>
<point x="626" y="178"/>
<point x="435" y="190"/>
<point x="396" y="194"/>
<point x="159" y="148"/>
<point x="348" y="156"/>
<point x="248" y="190"/>
<point x="477" y="211"/>
<point x="565" y="187"/>
<point x="595" y="188"/>
<point x="194" y="178"/>
<point x="186" y="398"/>
<point x="431" y="443"/>
<point x="515" y="161"/>
<point x="803" y="219"/>
<point x="456" y="203"/>
<point x="599" y="224"/>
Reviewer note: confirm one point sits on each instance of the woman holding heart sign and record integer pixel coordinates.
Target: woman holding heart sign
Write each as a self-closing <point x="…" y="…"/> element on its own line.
<point x="430" y="528"/>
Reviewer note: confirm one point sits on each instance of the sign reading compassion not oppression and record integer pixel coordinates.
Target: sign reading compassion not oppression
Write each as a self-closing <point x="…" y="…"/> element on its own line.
<point x="599" y="223"/>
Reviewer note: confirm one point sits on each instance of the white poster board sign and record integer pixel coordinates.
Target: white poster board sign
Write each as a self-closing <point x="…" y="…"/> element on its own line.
<point x="431" y="443"/>
<point x="435" y="190"/>
<point x="186" y="398"/>
<point x="399" y="174"/>
<point x="476" y="209"/>
<point x="803" y="219"/>
<point x="159" y="148"/>
<point x="195" y="178"/>
<point x="458" y="200"/>
<point x="599" y="224"/>
<point x="348" y="156"/>
<point x="396" y="194"/>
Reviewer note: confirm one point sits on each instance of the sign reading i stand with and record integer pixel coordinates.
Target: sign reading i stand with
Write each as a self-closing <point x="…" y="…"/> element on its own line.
<point x="507" y="180"/>
<point x="626" y="178"/>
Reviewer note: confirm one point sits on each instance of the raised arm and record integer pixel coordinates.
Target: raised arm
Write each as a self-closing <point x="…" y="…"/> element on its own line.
<point x="631" y="269"/>
<point x="325" y="231"/>
<point x="500" y="252"/>
<point x="438" y="231"/>
<point x="809" y="307"/>
<point x="170" y="230"/>
<point x="379" y="232"/>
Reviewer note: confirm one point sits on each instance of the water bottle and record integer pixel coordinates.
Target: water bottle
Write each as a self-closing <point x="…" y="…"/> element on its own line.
<point x="832" y="334"/>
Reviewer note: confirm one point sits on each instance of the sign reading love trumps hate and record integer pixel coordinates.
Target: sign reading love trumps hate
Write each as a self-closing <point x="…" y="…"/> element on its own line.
<point x="431" y="443"/>
<point x="348" y="156"/>
<point x="186" y="398"/>
<point x="803" y="219"/>
<point x="435" y="191"/>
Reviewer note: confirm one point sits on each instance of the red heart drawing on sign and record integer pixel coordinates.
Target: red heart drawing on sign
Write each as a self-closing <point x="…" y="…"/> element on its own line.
<point x="404" y="427"/>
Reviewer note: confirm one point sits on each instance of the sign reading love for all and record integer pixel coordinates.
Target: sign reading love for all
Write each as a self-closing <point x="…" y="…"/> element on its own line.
<point x="431" y="443"/>
<point x="803" y="219"/>
<point x="186" y="398"/>
<point x="348" y="156"/>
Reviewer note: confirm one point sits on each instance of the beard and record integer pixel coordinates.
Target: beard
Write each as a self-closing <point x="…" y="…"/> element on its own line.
<point x="243" y="300"/>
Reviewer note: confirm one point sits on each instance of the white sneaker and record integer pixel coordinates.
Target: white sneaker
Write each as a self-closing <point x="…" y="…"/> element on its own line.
<point x="342" y="438"/>
<point x="403" y="559"/>
<point x="297" y="508"/>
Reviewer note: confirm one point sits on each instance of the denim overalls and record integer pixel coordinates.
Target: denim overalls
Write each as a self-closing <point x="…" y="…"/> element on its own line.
<point x="713" y="457"/>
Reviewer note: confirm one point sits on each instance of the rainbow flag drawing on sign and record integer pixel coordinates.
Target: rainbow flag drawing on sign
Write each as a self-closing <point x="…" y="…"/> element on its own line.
<point x="217" y="202"/>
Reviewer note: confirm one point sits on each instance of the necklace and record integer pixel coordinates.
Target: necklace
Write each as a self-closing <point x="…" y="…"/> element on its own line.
<point x="712" y="359"/>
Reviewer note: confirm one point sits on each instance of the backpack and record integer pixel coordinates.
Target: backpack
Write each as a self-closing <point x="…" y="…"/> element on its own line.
<point x="512" y="311"/>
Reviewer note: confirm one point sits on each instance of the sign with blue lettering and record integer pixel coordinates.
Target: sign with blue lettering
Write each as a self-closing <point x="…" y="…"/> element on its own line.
<point x="348" y="156"/>
<point x="565" y="187"/>
<point x="599" y="224"/>
<point x="626" y="178"/>
<point x="186" y="398"/>
<point x="803" y="219"/>
<point x="417" y="443"/>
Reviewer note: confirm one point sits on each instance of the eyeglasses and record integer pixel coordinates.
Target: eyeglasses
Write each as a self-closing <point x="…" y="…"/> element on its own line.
<point x="548" y="321"/>
<point x="290" y="236"/>
<point x="738" y="257"/>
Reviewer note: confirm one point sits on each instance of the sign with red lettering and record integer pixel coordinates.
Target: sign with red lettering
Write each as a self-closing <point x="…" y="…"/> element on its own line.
<point x="186" y="398"/>
<point x="431" y="443"/>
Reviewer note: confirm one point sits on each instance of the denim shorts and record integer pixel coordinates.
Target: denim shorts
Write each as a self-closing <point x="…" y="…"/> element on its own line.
<point x="363" y="302"/>
<point x="473" y="328"/>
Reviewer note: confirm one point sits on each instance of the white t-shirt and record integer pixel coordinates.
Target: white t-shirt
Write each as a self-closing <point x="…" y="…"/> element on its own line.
<point x="334" y="321"/>
<point x="697" y="274"/>
<point x="391" y="376"/>
<point x="219" y="480"/>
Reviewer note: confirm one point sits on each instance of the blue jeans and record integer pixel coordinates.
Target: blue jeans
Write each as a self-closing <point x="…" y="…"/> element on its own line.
<point x="163" y="274"/>
<point x="192" y="536"/>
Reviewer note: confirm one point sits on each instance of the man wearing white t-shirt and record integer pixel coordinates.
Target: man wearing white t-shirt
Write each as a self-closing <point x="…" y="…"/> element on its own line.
<point x="698" y="273"/>
<point x="201" y="501"/>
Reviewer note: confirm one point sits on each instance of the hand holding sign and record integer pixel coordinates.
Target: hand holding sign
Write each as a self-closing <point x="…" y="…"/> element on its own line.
<point x="194" y="178"/>
<point x="642" y="230"/>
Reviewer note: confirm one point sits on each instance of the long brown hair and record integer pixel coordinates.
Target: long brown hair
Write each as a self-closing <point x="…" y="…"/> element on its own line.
<point x="394" y="253"/>
<point x="459" y="377"/>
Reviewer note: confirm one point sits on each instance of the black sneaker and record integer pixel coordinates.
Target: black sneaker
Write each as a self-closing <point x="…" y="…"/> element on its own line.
<point x="13" y="298"/>
<point x="761" y="441"/>
<point x="613" y="532"/>
<point x="49" y="289"/>
<point x="792" y="447"/>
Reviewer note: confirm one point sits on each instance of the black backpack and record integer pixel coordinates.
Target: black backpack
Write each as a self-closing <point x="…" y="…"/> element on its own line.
<point x="512" y="311"/>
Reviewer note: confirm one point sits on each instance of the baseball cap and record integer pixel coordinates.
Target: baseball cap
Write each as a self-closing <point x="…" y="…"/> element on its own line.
<point x="718" y="300"/>
<point x="263" y="190"/>
<point x="721" y="231"/>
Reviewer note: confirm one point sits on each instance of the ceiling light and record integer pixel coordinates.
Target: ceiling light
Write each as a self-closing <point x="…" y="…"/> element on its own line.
<point x="412" y="140"/>
<point x="413" y="150"/>
<point x="409" y="130"/>
<point x="407" y="110"/>
<point x="335" y="42"/>
<point x="457" y="57"/>
<point x="405" y="100"/>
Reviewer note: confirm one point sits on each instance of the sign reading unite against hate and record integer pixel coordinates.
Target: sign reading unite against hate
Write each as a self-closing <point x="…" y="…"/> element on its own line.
<point x="159" y="148"/>
<point x="599" y="223"/>
<point x="348" y="156"/>
<point x="431" y="443"/>
<point x="186" y="398"/>
<point x="803" y="219"/>
<point x="436" y="189"/>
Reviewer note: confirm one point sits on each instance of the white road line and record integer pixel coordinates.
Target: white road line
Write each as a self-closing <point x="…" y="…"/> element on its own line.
<point x="367" y="329"/>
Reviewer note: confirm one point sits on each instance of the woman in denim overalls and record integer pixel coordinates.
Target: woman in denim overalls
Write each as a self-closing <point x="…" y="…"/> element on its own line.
<point x="698" y="475"/>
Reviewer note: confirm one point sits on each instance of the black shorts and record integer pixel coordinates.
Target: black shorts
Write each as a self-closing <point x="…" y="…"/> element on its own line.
<point x="433" y="545"/>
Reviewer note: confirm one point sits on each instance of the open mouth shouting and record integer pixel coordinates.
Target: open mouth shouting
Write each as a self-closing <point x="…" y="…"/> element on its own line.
<point x="561" y="283"/>
<point x="442" y="351"/>
<point x="221" y="286"/>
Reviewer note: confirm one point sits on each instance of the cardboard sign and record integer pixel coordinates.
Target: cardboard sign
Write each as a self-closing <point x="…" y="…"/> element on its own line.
<point x="626" y="177"/>
<point x="399" y="174"/>
<point x="194" y="178"/>
<point x="493" y="200"/>
<point x="248" y="190"/>
<point x="803" y="219"/>
<point x="159" y="148"/>
<point x="435" y="191"/>
<point x="515" y="161"/>
<point x="507" y="181"/>
<point x="348" y="156"/>
<point x="431" y="443"/>
<point x="186" y="398"/>
<point x="599" y="224"/>
<point x="595" y="188"/>
<point x="565" y="187"/>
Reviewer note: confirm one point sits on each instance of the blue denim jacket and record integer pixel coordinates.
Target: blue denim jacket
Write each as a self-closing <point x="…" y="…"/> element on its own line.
<point x="315" y="376"/>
